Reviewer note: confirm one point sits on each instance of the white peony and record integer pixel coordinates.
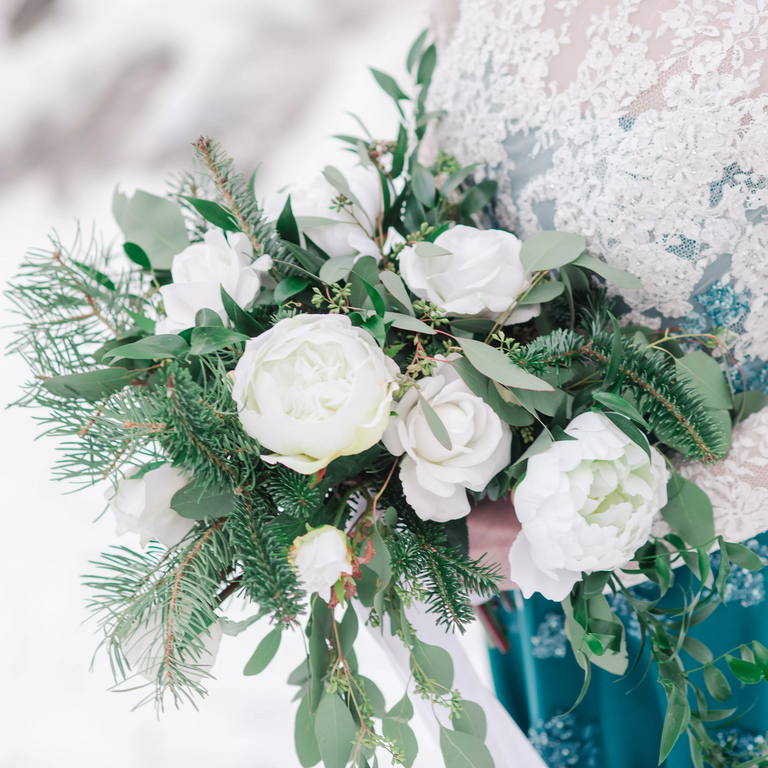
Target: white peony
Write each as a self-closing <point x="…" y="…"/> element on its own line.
<point x="480" y="277"/>
<point x="321" y="557"/>
<point x="313" y="388"/>
<point x="356" y="229"/>
<point x="584" y="505"/>
<point x="435" y="479"/>
<point x="143" y="505"/>
<point x="144" y="646"/>
<point x="201" y="270"/>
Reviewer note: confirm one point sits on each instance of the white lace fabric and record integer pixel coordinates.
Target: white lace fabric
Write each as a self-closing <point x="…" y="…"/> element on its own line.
<point x="645" y="128"/>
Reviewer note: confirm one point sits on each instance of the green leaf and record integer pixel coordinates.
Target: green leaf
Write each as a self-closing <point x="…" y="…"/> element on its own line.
<point x="747" y="403"/>
<point x="136" y="254"/>
<point x="319" y="655"/>
<point x="429" y="662"/>
<point x="617" y="356"/>
<point x="705" y="375"/>
<point x="618" y="277"/>
<point x="207" y="317"/>
<point x="193" y="503"/>
<point x="620" y="405"/>
<point x="423" y="184"/>
<point x="242" y="320"/>
<point x="427" y="250"/>
<point x="542" y="293"/>
<point x="437" y="426"/>
<point x="539" y="445"/>
<point x="98" y="277"/>
<point x="164" y="346"/>
<point x="339" y="182"/>
<point x="403" y="710"/>
<point x="427" y="66"/>
<point x="90" y="385"/>
<point x="408" y="323"/>
<point x="289" y="286"/>
<point x="396" y="288"/>
<point x="696" y="756"/>
<point x="142" y="322"/>
<point x="400" y="731"/>
<point x="374" y="695"/>
<point x="217" y="214"/>
<point x="153" y="223"/>
<point x="389" y="85"/>
<point x="471" y="720"/>
<point x="286" y="224"/>
<point x="689" y="511"/>
<point x="206" y="340"/>
<point x="743" y="556"/>
<point x="697" y="650"/>
<point x="375" y="297"/>
<point x="348" y="628"/>
<point x="305" y="739"/>
<point x="398" y="156"/>
<point x="335" y="730"/>
<point x="375" y="326"/>
<point x="456" y="178"/>
<point x="462" y="750"/>
<point x="415" y="50"/>
<point x="725" y="570"/>
<point x="675" y="722"/>
<point x="381" y="563"/>
<point x="264" y="653"/>
<point x="336" y="269"/>
<point x="630" y="430"/>
<point x="550" y="250"/>
<point x="477" y="197"/>
<point x="497" y="366"/>
<point x="745" y="671"/>
<point x="761" y="656"/>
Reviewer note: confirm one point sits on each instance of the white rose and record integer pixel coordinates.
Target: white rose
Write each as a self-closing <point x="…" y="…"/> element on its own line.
<point x="313" y="388"/>
<point x="435" y="479"/>
<point x="584" y="505"/>
<point x="144" y="646"/>
<point x="201" y="270"/>
<point x="356" y="228"/>
<point x="143" y="505"/>
<point x="480" y="277"/>
<point x="321" y="557"/>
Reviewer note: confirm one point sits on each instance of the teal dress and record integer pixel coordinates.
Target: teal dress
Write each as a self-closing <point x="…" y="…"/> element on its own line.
<point x="538" y="679"/>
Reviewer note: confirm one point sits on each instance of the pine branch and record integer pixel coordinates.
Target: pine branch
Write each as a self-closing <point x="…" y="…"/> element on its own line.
<point x="668" y="403"/>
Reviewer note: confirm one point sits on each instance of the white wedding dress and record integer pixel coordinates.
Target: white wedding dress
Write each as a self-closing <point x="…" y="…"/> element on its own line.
<point x="643" y="125"/>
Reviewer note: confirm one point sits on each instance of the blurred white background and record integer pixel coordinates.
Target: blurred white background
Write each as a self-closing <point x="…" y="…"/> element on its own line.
<point x="96" y="93"/>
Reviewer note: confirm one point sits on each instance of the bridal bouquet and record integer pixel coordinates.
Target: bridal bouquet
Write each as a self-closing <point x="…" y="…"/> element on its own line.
<point x="298" y="400"/>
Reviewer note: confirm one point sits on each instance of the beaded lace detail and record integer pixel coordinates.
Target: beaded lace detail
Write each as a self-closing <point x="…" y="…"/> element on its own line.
<point x="641" y="124"/>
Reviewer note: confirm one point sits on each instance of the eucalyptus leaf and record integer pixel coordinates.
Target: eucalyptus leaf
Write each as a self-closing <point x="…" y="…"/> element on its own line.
<point x="429" y="662"/>
<point x="408" y="323"/>
<point x="339" y="182"/>
<point x="539" y="445"/>
<point x="164" y="346"/>
<point x="463" y="750"/>
<point x="435" y="424"/>
<point x="348" y="628"/>
<point x="542" y="293"/>
<point x="618" y="277"/>
<point x="336" y="269"/>
<point x="471" y="720"/>
<point x="264" y="653"/>
<point x="497" y="366"/>
<point x="402" y="733"/>
<point x="155" y="224"/>
<point x="207" y="317"/>
<point x="620" y="405"/>
<point x="427" y="250"/>
<point x="689" y="511"/>
<point x="307" y="749"/>
<point x="90" y="385"/>
<point x="456" y="178"/>
<point x="747" y="403"/>
<point x="705" y="375"/>
<point x="381" y="563"/>
<point x="193" y="503"/>
<point x="423" y="184"/>
<point x="550" y="250"/>
<point x="335" y="731"/>
<point x="396" y="288"/>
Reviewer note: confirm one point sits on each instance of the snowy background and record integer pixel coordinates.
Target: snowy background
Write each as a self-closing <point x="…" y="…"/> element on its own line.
<point x="100" y="92"/>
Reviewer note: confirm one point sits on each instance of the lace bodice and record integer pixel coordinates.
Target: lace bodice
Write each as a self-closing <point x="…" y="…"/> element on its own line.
<point x="641" y="124"/>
